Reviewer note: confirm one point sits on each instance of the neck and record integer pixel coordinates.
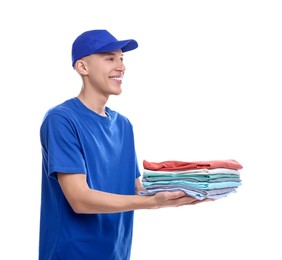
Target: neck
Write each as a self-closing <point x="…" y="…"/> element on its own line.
<point x="93" y="101"/>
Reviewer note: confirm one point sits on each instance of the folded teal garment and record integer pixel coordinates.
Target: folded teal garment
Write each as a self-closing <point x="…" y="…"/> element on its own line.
<point x="197" y="185"/>
<point x="191" y="177"/>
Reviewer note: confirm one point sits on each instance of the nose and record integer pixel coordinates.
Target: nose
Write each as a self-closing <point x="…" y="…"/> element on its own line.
<point x="120" y="66"/>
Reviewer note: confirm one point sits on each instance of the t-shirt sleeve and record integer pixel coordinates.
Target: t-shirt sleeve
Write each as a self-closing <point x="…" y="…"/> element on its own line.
<point x="137" y="172"/>
<point x="60" y="143"/>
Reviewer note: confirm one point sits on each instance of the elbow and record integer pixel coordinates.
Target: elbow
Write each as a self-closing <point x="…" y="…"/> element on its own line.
<point x="78" y="207"/>
<point x="78" y="210"/>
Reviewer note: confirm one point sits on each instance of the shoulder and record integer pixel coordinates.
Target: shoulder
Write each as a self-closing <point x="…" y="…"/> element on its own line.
<point x="64" y="112"/>
<point x="64" y="109"/>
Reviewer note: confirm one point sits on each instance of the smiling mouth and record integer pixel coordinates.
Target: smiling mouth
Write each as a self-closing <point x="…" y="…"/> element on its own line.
<point x="117" y="79"/>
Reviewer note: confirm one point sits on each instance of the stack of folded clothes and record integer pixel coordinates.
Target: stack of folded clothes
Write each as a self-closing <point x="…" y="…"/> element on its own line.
<point x="199" y="179"/>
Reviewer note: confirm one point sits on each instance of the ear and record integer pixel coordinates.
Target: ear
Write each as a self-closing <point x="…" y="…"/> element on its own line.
<point x="81" y="67"/>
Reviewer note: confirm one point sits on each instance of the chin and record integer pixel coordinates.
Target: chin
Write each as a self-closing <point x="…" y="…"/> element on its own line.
<point x="118" y="92"/>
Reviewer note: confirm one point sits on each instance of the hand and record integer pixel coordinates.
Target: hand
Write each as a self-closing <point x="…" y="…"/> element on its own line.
<point x="175" y="199"/>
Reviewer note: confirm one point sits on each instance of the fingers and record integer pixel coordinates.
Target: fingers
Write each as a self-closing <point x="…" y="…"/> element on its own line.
<point x="176" y="199"/>
<point x="176" y="194"/>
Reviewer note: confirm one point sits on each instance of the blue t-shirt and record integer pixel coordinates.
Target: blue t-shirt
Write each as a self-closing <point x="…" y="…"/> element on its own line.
<point x="75" y="139"/>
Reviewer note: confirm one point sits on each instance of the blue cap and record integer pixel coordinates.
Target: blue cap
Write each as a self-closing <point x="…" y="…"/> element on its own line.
<point x="98" y="41"/>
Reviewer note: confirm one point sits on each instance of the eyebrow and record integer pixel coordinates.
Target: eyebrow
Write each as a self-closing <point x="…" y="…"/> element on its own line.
<point x="110" y="53"/>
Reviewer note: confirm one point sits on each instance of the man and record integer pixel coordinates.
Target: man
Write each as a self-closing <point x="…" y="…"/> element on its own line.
<point x="90" y="175"/>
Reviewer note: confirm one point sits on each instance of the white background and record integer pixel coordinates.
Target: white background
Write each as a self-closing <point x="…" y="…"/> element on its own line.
<point x="204" y="84"/>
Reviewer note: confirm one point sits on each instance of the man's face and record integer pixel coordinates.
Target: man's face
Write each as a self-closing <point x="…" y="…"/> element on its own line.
<point x="105" y="72"/>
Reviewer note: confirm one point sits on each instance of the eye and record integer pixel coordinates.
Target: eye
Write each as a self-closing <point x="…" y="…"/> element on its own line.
<point x="110" y="58"/>
<point x="121" y="59"/>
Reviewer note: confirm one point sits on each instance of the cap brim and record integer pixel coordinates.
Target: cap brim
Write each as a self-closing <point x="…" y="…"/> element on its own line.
<point x="126" y="45"/>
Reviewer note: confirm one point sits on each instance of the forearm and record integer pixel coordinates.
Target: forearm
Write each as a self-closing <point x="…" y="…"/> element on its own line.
<point x="84" y="200"/>
<point x="93" y="201"/>
<point x="101" y="202"/>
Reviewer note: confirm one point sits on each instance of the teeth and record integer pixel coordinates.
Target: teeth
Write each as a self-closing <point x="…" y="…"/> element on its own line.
<point x="117" y="78"/>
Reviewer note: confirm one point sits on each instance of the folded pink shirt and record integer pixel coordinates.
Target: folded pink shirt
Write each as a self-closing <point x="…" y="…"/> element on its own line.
<point x="182" y="165"/>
